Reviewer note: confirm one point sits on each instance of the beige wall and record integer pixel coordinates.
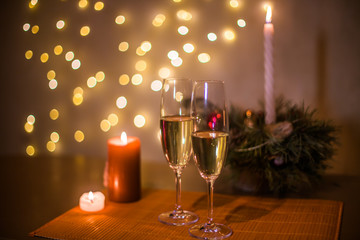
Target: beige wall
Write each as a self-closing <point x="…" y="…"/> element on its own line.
<point x="316" y="52"/>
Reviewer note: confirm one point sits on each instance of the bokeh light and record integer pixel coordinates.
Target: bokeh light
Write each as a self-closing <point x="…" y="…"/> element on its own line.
<point x="177" y="62"/>
<point x="140" y="52"/>
<point x="229" y="35"/>
<point x="60" y="24"/>
<point x="76" y="64"/>
<point x="156" y="85"/>
<point x="164" y="72"/>
<point x="121" y="102"/>
<point x="31" y="119"/>
<point x="137" y="79"/>
<point x="91" y="82"/>
<point x="55" y="137"/>
<point x="140" y="65"/>
<point x="159" y="20"/>
<point x="146" y="46"/>
<point x="234" y="3"/>
<point x="26" y="27"/>
<point x="113" y="119"/>
<point x="105" y="125"/>
<point x="179" y="96"/>
<point x="212" y="37"/>
<point x="241" y="23"/>
<point x="120" y="19"/>
<point x="173" y="54"/>
<point x="84" y="31"/>
<point x="53" y="84"/>
<point x="100" y="76"/>
<point x="50" y="146"/>
<point x="79" y="136"/>
<point x="30" y="150"/>
<point x="28" y="54"/>
<point x="44" y="57"/>
<point x="83" y="3"/>
<point x="51" y="75"/>
<point x="184" y="15"/>
<point x="58" y="49"/>
<point x="35" y="29"/>
<point x="78" y="99"/>
<point x="28" y="127"/>
<point x="78" y="90"/>
<point x="123" y="46"/>
<point x="124" y="79"/>
<point x="54" y="114"/>
<point x="139" y="121"/>
<point x="204" y="57"/>
<point x="99" y="6"/>
<point x="69" y="56"/>
<point x="183" y="30"/>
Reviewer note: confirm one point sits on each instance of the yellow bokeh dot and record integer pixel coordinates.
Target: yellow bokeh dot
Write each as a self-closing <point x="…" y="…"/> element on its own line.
<point x="121" y="102"/>
<point x="50" y="146"/>
<point x="91" y="82"/>
<point x="83" y="3"/>
<point x="58" y="49"/>
<point x="79" y="136"/>
<point x="164" y="72"/>
<point x="26" y="27"/>
<point x="69" y="56"/>
<point x="51" y="75"/>
<point x="156" y="85"/>
<point x="113" y="119"/>
<point x="55" y="137"/>
<point x="229" y="35"/>
<point x="44" y="57"/>
<point x="60" y="24"/>
<point x="137" y="79"/>
<point x="139" y="121"/>
<point x="78" y="99"/>
<point x="76" y="64"/>
<point x="188" y="47"/>
<point x="78" y="90"/>
<point x="145" y="46"/>
<point x="179" y="96"/>
<point x="28" y="54"/>
<point x="100" y="76"/>
<point x="35" y="29"/>
<point x="159" y="20"/>
<point x="84" y="31"/>
<point x="124" y="79"/>
<point x="140" y="52"/>
<point x="30" y="150"/>
<point x="120" y="19"/>
<point x="99" y="6"/>
<point x="140" y="65"/>
<point x="204" y="57"/>
<point x="53" y="84"/>
<point x="184" y="15"/>
<point x="105" y="125"/>
<point x="123" y="46"/>
<point x="28" y="127"/>
<point x="54" y="114"/>
<point x="177" y="1"/>
<point x="31" y="119"/>
<point x="183" y="30"/>
<point x="234" y="3"/>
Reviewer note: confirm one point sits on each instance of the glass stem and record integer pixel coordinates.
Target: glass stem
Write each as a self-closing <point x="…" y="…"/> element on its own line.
<point x="210" y="193"/>
<point x="178" y="190"/>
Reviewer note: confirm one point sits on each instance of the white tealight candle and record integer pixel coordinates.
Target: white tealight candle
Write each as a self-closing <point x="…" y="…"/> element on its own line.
<point x="92" y="202"/>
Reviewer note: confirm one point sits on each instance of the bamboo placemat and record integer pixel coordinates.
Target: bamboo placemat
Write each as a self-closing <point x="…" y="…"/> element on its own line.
<point x="249" y="217"/>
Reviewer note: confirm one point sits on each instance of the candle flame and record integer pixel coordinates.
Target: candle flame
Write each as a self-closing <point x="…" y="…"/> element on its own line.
<point x="268" y="15"/>
<point x="91" y="196"/>
<point x="123" y="138"/>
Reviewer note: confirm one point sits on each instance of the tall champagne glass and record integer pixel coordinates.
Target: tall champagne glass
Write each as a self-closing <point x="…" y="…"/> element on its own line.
<point x="210" y="139"/>
<point x="176" y="127"/>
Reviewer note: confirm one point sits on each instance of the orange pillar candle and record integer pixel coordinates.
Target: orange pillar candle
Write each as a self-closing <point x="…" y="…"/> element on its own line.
<point x="124" y="169"/>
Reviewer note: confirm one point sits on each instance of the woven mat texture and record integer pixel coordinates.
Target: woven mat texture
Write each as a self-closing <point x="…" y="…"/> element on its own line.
<point x="249" y="217"/>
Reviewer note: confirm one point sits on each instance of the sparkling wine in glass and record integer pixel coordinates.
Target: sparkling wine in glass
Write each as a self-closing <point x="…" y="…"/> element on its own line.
<point x="176" y="127"/>
<point x="210" y="139"/>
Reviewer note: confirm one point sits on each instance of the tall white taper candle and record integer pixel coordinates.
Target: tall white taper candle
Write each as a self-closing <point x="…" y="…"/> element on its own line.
<point x="270" y="115"/>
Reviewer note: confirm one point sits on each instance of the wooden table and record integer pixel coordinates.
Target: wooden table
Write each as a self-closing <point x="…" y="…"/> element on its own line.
<point x="36" y="190"/>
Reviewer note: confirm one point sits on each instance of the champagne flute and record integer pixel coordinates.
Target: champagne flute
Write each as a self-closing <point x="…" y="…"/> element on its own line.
<point x="176" y="127"/>
<point x="210" y="139"/>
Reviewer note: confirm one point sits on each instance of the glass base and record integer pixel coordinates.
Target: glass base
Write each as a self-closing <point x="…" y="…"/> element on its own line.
<point x="213" y="231"/>
<point x="178" y="218"/>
